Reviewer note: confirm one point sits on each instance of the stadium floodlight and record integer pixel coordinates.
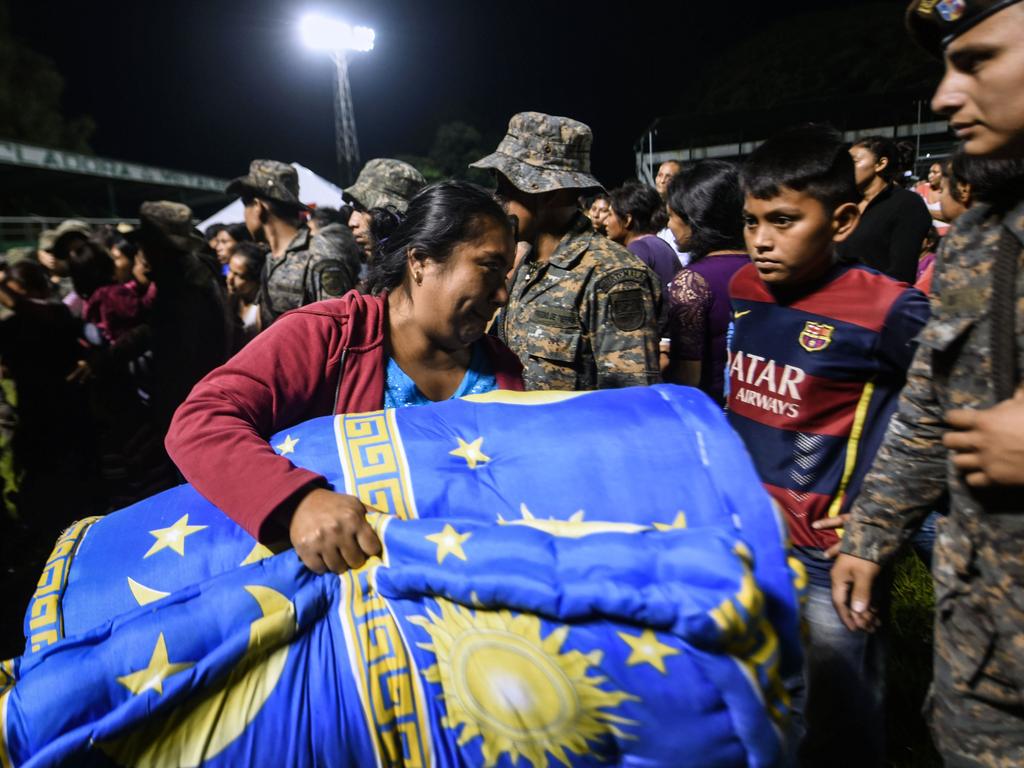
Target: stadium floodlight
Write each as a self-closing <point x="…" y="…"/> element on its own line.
<point x="323" y="33"/>
<point x="339" y="39"/>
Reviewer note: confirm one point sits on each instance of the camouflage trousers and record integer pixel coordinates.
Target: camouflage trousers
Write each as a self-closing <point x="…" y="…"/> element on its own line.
<point x="976" y="704"/>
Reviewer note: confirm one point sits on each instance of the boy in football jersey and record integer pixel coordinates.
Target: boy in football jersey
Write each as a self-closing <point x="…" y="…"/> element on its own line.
<point x="819" y="353"/>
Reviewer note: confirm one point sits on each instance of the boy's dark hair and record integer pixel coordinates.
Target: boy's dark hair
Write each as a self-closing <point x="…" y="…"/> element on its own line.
<point x="641" y="202"/>
<point x="812" y="159"/>
<point x="709" y="199"/>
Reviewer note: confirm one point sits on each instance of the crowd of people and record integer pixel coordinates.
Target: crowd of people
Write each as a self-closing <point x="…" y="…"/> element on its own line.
<point x="782" y="286"/>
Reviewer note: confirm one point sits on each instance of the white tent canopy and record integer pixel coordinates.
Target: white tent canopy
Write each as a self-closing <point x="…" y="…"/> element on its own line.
<point x="313" y="190"/>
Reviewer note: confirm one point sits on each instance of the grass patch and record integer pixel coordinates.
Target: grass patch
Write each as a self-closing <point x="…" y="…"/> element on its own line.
<point x="909" y="669"/>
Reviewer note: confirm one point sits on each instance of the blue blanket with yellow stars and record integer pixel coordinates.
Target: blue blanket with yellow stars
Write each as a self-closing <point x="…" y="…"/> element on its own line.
<point x="567" y="579"/>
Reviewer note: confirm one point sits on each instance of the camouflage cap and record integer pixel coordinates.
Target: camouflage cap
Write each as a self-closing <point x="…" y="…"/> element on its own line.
<point x="385" y="181"/>
<point x="934" y="24"/>
<point x="47" y="239"/>
<point x="64" y="231"/>
<point x="270" y="179"/>
<point x="166" y="223"/>
<point x="541" y="153"/>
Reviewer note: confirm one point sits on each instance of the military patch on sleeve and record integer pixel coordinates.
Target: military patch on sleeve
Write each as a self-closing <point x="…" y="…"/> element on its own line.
<point x="628" y="275"/>
<point x="627" y="308"/>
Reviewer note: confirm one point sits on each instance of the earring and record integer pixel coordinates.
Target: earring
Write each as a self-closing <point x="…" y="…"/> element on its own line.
<point x="418" y="277"/>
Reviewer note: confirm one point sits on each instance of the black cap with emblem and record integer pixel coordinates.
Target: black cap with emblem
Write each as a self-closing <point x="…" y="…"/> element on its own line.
<point x="934" y="24"/>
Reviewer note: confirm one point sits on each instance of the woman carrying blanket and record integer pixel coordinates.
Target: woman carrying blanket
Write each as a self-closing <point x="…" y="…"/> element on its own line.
<point x="438" y="278"/>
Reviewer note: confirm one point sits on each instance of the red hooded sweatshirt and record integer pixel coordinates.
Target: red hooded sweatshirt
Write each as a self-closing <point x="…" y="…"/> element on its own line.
<point x="320" y="359"/>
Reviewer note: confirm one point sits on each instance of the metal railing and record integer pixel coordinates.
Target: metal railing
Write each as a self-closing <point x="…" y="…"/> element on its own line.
<point x="21" y="231"/>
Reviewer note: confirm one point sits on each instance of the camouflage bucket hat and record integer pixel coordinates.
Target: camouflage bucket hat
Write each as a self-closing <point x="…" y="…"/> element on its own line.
<point x="269" y="179"/>
<point x="65" y="230"/>
<point x="384" y="181"/>
<point x="542" y="153"/>
<point x="934" y="24"/>
<point x="47" y="239"/>
<point x="168" y="223"/>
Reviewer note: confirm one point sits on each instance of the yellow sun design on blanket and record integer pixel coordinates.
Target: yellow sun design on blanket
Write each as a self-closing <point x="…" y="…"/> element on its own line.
<point x="520" y="693"/>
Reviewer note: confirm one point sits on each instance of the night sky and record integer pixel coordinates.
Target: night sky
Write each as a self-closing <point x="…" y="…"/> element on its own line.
<point x="206" y="85"/>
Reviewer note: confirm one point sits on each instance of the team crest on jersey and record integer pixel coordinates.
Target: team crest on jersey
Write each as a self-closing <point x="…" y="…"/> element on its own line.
<point x="816" y="336"/>
<point x="951" y="10"/>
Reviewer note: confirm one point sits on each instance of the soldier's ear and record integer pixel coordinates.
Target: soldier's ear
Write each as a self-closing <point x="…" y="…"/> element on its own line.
<point x="264" y="211"/>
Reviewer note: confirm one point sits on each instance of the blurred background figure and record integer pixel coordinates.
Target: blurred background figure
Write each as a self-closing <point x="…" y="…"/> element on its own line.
<point x="597" y="211"/>
<point x="190" y="322"/>
<point x="667" y="171"/>
<point x="211" y="232"/>
<point x="301" y="268"/>
<point x="636" y="214"/>
<point x="228" y="237"/>
<point x="53" y="435"/>
<point x="332" y="225"/>
<point x="705" y="205"/>
<point x="930" y="191"/>
<point x="243" y="281"/>
<point x="894" y="221"/>
<point x="382" y="183"/>
<point x="69" y="235"/>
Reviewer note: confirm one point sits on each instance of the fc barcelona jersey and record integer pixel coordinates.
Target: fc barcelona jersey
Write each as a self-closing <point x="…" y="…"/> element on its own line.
<point x="813" y="382"/>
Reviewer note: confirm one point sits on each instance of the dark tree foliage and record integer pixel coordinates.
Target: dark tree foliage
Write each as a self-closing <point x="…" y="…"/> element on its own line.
<point x="30" y="93"/>
<point x="455" y="146"/>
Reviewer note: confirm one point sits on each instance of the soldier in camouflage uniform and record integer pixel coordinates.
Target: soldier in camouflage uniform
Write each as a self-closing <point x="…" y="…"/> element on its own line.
<point x="582" y="310"/>
<point x="301" y="267"/>
<point x="382" y="183"/>
<point x="969" y="359"/>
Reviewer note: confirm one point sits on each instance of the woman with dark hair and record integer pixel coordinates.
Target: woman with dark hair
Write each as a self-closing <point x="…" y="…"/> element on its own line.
<point x="438" y="276"/>
<point x="243" y="282"/>
<point x="211" y="233"/>
<point x="930" y="190"/>
<point x="112" y="307"/>
<point x="894" y="221"/>
<point x="635" y="216"/>
<point x="227" y="239"/>
<point x="123" y="254"/>
<point x="705" y="205"/>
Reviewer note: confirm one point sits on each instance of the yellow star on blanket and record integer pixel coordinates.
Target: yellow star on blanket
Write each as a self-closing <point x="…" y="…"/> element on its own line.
<point x="470" y="452"/>
<point x="647" y="649"/>
<point x="288" y="446"/>
<point x="173" y="537"/>
<point x="153" y="676"/>
<point x="449" y="542"/>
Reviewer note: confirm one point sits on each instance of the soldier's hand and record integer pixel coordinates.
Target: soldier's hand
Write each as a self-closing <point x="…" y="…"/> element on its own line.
<point x="988" y="445"/>
<point x="852" y="582"/>
<point x="330" y="533"/>
<point x="832" y="523"/>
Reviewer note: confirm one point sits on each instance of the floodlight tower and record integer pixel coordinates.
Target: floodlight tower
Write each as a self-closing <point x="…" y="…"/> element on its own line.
<point x="339" y="39"/>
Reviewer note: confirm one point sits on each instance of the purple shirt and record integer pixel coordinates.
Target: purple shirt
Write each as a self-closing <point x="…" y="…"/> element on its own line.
<point x="699" y="315"/>
<point x="658" y="255"/>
